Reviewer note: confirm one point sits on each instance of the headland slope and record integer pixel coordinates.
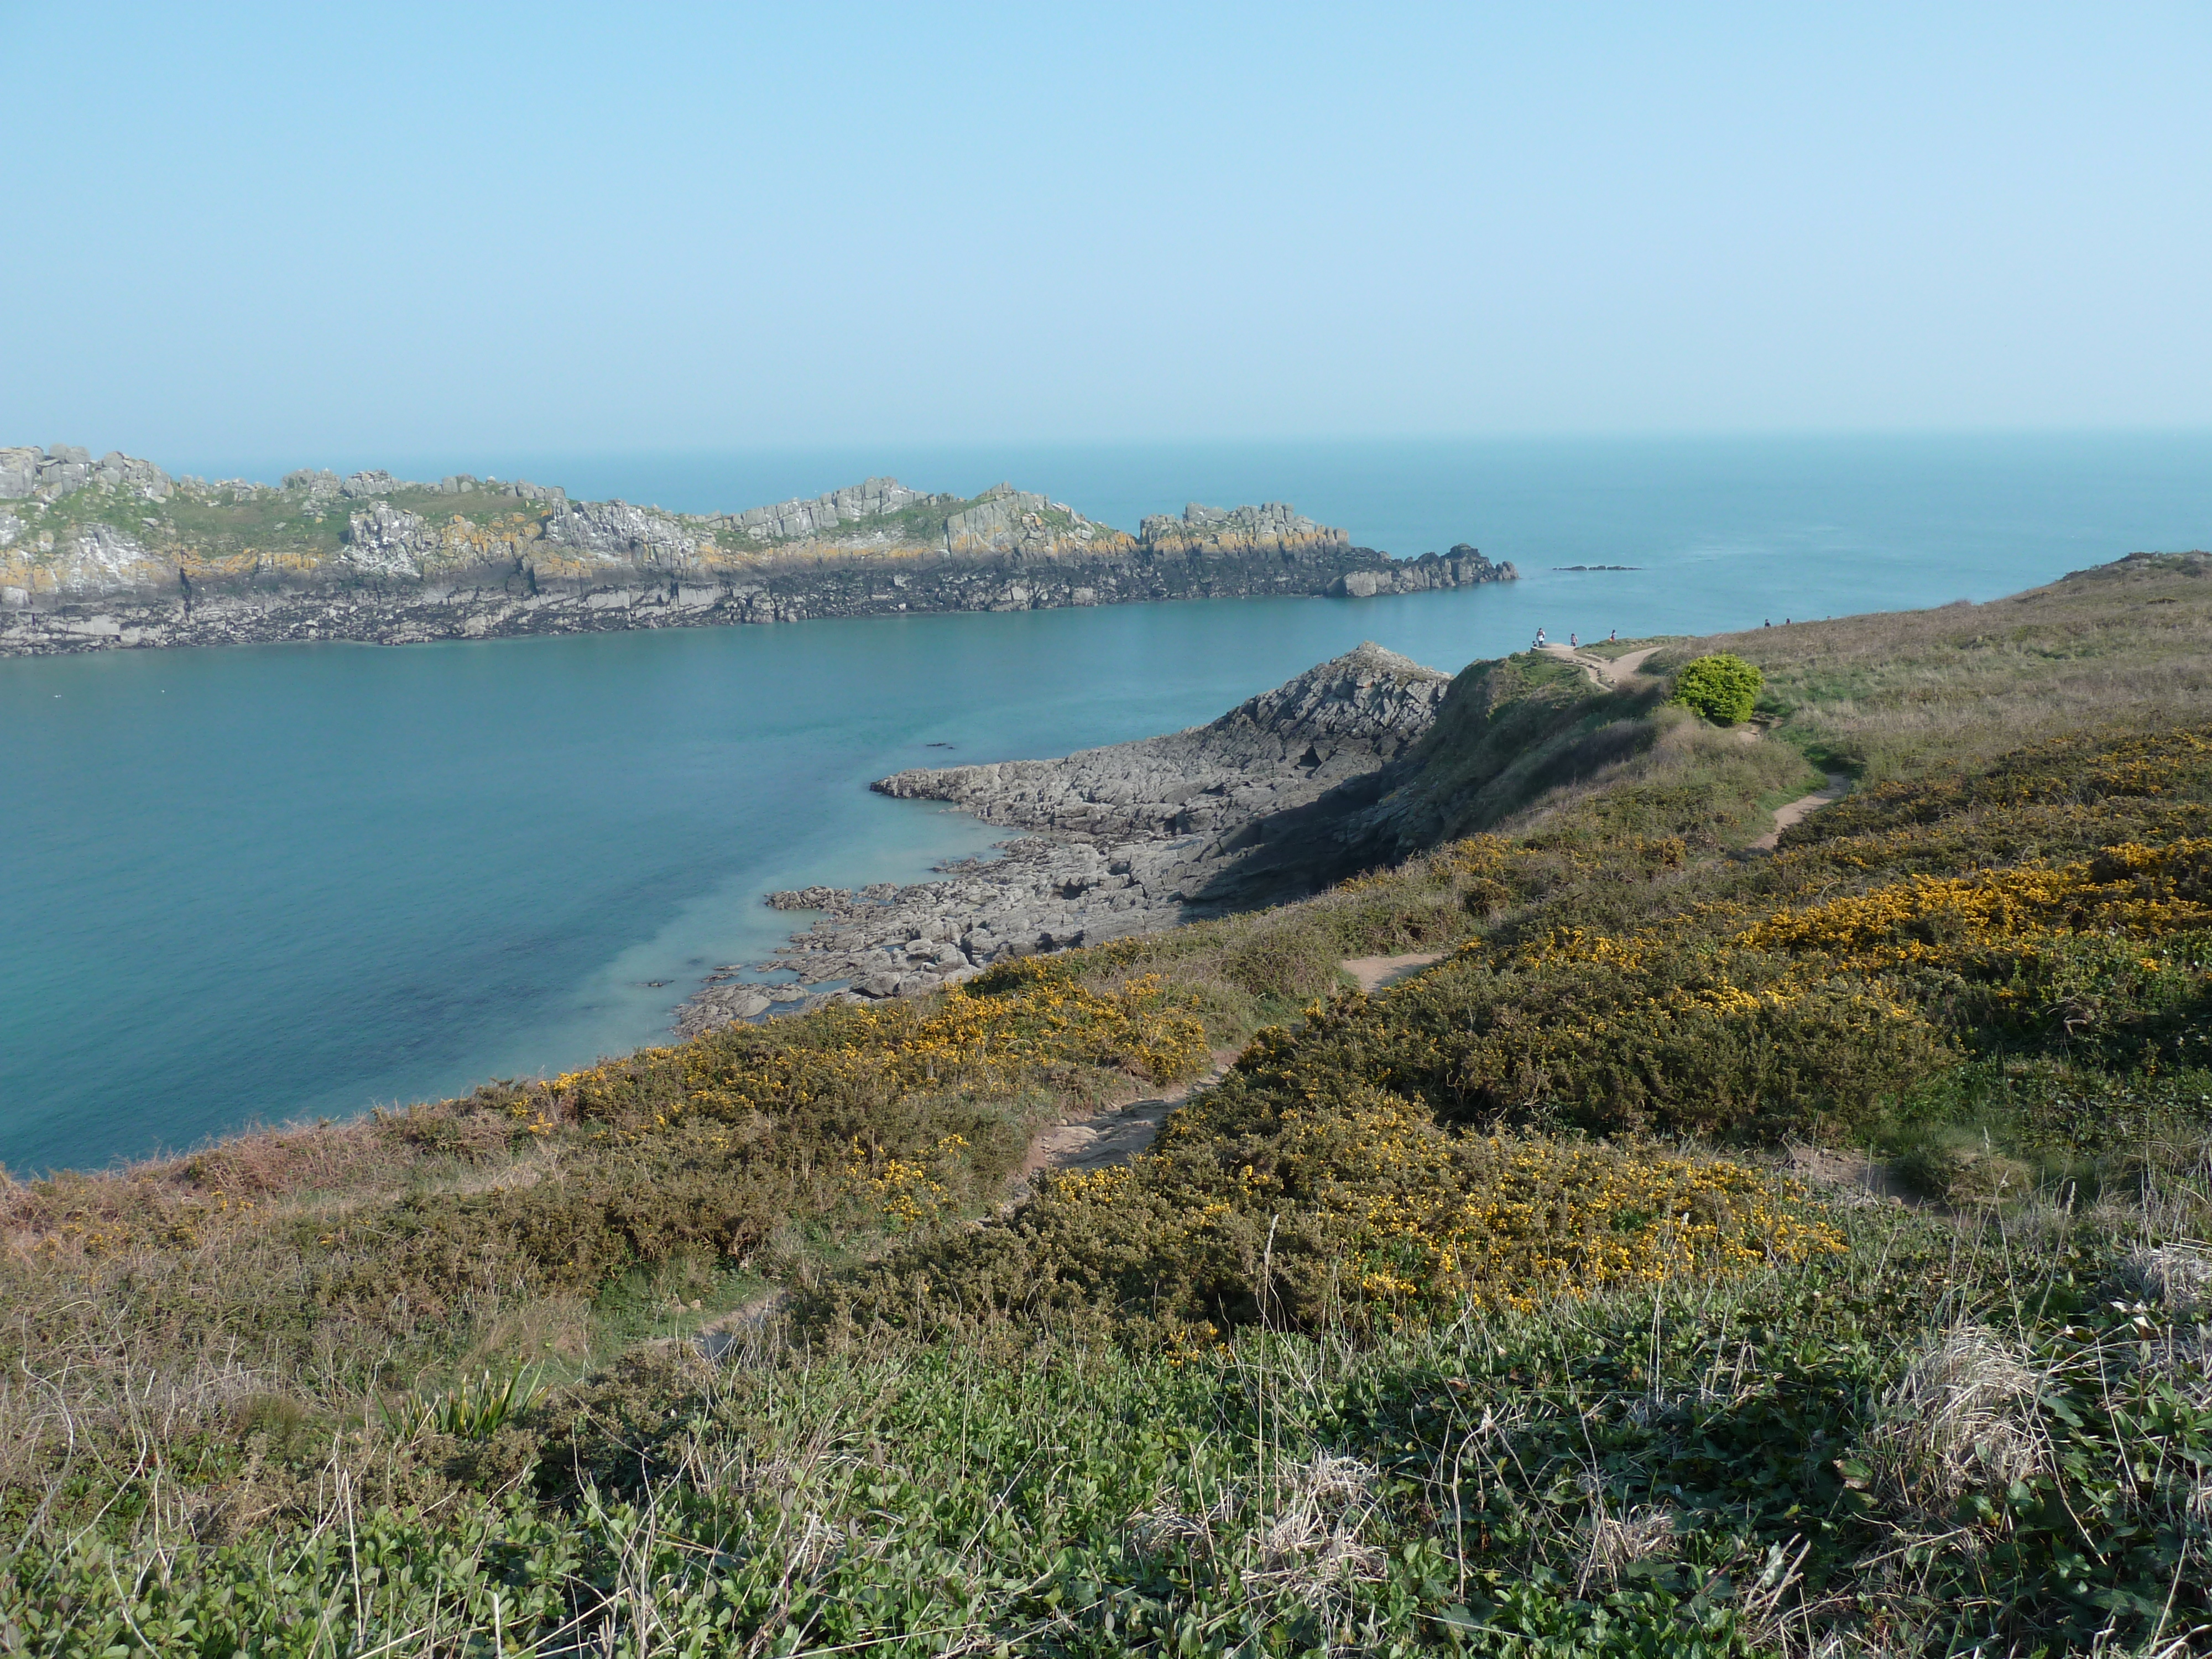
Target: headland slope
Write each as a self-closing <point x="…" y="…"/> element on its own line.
<point x="1556" y="1299"/>
<point x="116" y="552"/>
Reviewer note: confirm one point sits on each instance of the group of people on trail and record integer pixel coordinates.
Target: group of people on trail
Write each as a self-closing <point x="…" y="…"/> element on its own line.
<point x="1574" y="641"/>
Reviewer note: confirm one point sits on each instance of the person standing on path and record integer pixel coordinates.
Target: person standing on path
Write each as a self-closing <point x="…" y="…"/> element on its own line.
<point x="1574" y="641"/>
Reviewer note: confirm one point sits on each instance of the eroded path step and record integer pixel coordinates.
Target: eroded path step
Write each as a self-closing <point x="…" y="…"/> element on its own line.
<point x="1801" y="809"/>
<point x="1373" y="973"/>
<point x="1115" y="1136"/>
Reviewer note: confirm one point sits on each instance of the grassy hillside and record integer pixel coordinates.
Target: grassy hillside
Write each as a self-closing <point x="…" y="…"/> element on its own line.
<point x="1714" y="1253"/>
<point x="235" y="530"/>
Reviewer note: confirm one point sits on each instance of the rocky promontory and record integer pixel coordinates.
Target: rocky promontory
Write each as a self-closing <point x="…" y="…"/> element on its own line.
<point x="1127" y="839"/>
<point x="116" y="552"/>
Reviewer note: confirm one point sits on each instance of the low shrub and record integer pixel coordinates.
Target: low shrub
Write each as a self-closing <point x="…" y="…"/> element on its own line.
<point x="1358" y="1210"/>
<point x="1721" y="686"/>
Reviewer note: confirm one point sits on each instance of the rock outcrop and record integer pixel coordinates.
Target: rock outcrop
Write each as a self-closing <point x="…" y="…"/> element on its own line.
<point x="1463" y="567"/>
<point x="50" y="475"/>
<point x="116" y="553"/>
<point x="794" y="519"/>
<point x="1133" y="837"/>
<point x="1213" y="531"/>
<point x="1283" y="748"/>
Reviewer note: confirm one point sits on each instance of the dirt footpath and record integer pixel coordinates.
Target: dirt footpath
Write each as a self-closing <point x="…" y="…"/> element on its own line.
<point x="1801" y="809"/>
<point x="1116" y="1136"/>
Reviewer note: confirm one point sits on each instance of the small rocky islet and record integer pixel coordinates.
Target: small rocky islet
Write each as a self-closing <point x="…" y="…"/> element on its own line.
<point x="115" y="552"/>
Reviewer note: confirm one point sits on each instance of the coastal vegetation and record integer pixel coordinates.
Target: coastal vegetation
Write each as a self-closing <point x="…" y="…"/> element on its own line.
<point x="1710" y="1253"/>
<point x="1722" y="687"/>
<point x="97" y="556"/>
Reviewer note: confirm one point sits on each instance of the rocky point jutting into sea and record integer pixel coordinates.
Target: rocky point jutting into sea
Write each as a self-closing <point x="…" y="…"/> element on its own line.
<point x="1271" y="801"/>
<point x="115" y="552"/>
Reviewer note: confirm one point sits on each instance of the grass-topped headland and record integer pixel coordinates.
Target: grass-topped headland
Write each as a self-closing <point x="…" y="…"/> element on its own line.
<point x="116" y="553"/>
<point x="1713" y="1252"/>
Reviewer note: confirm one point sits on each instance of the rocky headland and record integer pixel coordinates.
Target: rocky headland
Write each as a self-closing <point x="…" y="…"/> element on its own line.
<point x="1123" y="839"/>
<point x="115" y="552"/>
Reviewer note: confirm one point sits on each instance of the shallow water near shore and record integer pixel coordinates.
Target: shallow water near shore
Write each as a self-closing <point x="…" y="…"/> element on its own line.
<point x="287" y="881"/>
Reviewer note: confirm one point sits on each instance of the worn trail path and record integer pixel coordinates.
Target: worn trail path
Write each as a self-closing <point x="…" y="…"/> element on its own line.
<point x="1116" y="1136"/>
<point x="1373" y="973"/>
<point x="1608" y="671"/>
<point x="1801" y="809"/>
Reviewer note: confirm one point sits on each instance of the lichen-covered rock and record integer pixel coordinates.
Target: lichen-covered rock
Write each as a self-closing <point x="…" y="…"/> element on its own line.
<point x="98" y="559"/>
<point x="389" y="542"/>
<point x="377" y="483"/>
<point x="19" y="472"/>
<point x="470" y="558"/>
<point x="787" y="520"/>
<point x="616" y="531"/>
<point x="1205" y="532"/>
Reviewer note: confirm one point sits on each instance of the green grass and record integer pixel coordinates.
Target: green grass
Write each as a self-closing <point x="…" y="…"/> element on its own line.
<point x="1717" y="1469"/>
<point x="216" y="523"/>
<point x="1177" y="1427"/>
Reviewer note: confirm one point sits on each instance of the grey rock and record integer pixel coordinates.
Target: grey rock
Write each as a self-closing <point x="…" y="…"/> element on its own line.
<point x="19" y="472"/>
<point x="388" y="541"/>
<point x="1130" y="838"/>
<point x="377" y="483"/>
<point x="1213" y="530"/>
<point x="787" y="520"/>
<point x="615" y="531"/>
<point x="1279" y="750"/>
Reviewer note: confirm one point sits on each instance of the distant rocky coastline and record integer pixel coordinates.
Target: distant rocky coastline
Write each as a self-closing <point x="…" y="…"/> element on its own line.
<point x="1123" y="839"/>
<point x="115" y="552"/>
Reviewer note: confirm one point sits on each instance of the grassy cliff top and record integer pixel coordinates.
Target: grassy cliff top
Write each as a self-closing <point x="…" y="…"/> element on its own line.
<point x="309" y="519"/>
<point x="1715" y="1251"/>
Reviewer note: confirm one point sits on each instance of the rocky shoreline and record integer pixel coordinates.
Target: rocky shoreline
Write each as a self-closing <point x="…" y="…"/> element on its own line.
<point x="115" y="553"/>
<point x="1127" y="839"/>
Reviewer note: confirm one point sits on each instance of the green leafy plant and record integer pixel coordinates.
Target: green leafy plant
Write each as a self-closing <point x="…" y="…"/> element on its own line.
<point x="474" y="1411"/>
<point x="1722" y="687"/>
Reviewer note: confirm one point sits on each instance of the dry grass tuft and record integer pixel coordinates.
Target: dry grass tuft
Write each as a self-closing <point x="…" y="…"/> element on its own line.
<point x="1961" y="1420"/>
<point x="1617" y="1542"/>
<point x="1303" y="1535"/>
<point x="2175" y="1277"/>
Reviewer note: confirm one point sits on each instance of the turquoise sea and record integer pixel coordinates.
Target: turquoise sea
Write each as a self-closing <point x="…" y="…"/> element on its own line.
<point x="277" y="881"/>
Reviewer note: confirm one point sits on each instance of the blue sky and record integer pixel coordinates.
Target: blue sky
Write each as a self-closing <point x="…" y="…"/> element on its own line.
<point x="292" y="230"/>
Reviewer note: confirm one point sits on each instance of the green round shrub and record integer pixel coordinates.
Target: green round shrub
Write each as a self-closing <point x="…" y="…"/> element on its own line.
<point x="1722" y="687"/>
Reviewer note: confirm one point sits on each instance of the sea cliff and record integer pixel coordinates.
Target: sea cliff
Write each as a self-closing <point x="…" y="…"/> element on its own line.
<point x="115" y="552"/>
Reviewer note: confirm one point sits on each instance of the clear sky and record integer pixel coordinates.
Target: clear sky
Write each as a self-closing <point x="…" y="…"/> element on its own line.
<point x="390" y="229"/>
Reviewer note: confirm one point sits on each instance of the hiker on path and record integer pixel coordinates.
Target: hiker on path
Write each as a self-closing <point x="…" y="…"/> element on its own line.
<point x="1574" y="641"/>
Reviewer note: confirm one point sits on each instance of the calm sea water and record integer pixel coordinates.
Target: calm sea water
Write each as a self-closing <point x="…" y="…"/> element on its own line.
<point x="284" y="881"/>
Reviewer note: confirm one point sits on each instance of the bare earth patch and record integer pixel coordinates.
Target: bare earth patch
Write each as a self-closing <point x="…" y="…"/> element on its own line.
<point x="1373" y="973"/>
<point x="1801" y="809"/>
<point x="1116" y="1136"/>
<point x="1608" y="671"/>
<point x="1853" y="1175"/>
